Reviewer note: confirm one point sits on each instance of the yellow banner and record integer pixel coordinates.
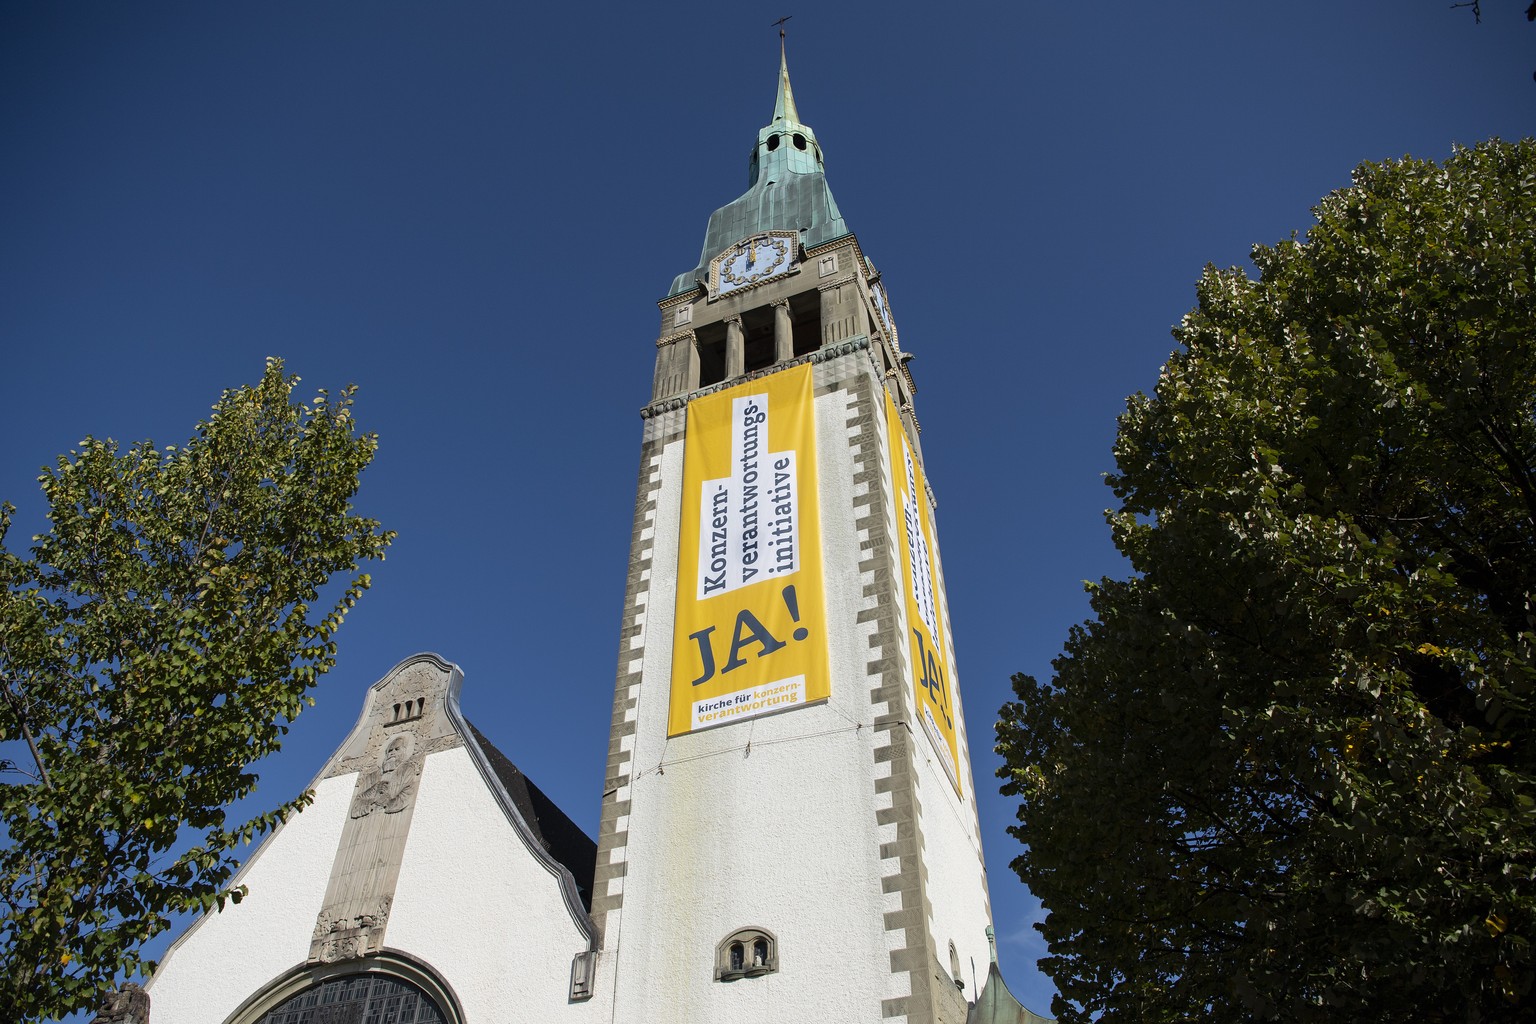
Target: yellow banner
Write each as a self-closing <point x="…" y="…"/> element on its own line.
<point x="750" y="637"/>
<point x="928" y="639"/>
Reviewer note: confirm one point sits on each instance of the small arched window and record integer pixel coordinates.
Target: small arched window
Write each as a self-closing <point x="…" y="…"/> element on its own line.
<point x="799" y="141"/>
<point x="747" y="953"/>
<point x="773" y="143"/>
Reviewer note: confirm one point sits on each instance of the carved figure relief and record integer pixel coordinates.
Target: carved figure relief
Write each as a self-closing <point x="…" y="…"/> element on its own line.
<point x="390" y="787"/>
<point x="403" y="725"/>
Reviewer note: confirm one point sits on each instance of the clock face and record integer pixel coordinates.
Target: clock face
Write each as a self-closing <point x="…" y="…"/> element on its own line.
<point x="753" y="260"/>
<point x="877" y="291"/>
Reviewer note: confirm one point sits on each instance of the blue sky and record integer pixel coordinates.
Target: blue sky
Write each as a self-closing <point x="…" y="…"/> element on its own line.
<point x="470" y="210"/>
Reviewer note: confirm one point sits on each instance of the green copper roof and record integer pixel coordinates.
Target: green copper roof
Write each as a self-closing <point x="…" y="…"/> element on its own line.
<point x="788" y="189"/>
<point x="996" y="1005"/>
<point x="784" y="106"/>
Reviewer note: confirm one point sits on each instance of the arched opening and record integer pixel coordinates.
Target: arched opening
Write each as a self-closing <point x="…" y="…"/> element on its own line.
<point x="747" y="953"/>
<point x="385" y="987"/>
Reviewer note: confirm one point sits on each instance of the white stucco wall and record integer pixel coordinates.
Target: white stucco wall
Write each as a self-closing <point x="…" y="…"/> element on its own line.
<point x="781" y="834"/>
<point x="956" y="875"/>
<point x="957" y="895"/>
<point x="228" y="955"/>
<point x="472" y="903"/>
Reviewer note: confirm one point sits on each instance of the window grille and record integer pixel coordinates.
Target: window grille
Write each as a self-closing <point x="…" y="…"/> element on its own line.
<point x="358" y="999"/>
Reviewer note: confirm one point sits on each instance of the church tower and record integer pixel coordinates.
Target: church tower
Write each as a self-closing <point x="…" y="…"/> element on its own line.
<point x="789" y="828"/>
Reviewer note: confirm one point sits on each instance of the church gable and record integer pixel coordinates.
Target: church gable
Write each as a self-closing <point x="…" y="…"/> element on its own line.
<point x="425" y="845"/>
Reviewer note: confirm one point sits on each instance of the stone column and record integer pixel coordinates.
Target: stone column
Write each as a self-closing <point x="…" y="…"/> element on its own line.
<point x="735" y="349"/>
<point x="783" y="333"/>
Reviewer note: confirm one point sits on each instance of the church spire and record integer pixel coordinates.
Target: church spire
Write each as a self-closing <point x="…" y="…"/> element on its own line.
<point x="787" y="187"/>
<point x="784" y="112"/>
<point x="786" y="145"/>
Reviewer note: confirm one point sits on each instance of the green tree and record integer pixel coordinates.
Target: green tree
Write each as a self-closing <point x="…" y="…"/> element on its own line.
<point x="164" y="631"/>
<point x="1287" y="771"/>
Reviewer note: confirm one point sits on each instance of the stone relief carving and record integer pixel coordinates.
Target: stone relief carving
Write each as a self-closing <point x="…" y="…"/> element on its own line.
<point x="410" y="702"/>
<point x="354" y="936"/>
<point x="126" y="1005"/>
<point x="390" y="787"/>
<point x="403" y="725"/>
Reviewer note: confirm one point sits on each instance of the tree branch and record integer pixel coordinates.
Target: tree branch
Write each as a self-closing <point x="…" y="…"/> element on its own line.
<point x="26" y="731"/>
